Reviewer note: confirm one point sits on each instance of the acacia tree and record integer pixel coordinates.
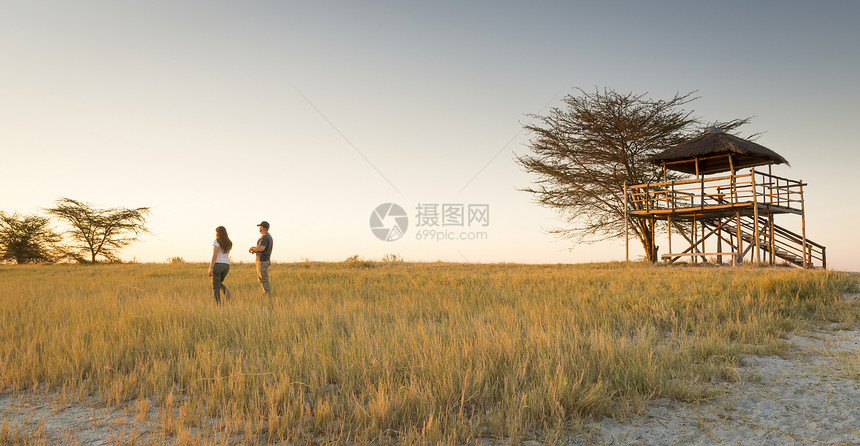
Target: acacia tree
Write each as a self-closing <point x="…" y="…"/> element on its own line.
<point x="27" y="239"/>
<point x="99" y="232"/>
<point x="584" y="154"/>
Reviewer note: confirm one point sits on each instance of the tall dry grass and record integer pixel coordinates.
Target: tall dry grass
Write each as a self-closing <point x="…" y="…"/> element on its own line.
<point x="363" y="352"/>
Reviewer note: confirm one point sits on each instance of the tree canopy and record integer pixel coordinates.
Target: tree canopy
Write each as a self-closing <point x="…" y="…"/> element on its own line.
<point x="27" y="239"/>
<point x="582" y="155"/>
<point x="96" y="232"/>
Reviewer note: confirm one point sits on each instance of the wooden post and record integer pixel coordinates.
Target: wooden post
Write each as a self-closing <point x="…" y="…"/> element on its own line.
<point x="803" y="226"/>
<point x="702" y="226"/>
<point x="770" y="185"/>
<point x="778" y="194"/>
<point x="693" y="240"/>
<point x="732" y="181"/>
<point x="701" y="186"/>
<point x="756" y="247"/>
<point x="769" y="191"/>
<point x="648" y="197"/>
<point x="731" y="241"/>
<point x="669" y="224"/>
<point x="673" y="196"/>
<point x="770" y="236"/>
<point x="739" y="256"/>
<point x="626" y="227"/>
<point x="653" y="245"/>
<point x="719" y="241"/>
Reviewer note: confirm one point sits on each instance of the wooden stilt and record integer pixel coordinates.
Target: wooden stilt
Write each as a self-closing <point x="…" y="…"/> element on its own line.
<point x="653" y="245"/>
<point x="757" y="242"/>
<point x="693" y="241"/>
<point x="803" y="227"/>
<point x="719" y="243"/>
<point x="733" y="243"/>
<point x="626" y="227"/>
<point x="734" y="195"/>
<point x="669" y="224"/>
<point x="771" y="238"/>
<point x="739" y="258"/>
<point x="732" y="185"/>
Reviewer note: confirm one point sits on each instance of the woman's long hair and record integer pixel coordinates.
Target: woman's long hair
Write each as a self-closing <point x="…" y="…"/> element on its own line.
<point x="222" y="239"/>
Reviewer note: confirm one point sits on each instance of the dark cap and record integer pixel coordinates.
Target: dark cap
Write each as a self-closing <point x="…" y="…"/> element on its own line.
<point x="264" y="224"/>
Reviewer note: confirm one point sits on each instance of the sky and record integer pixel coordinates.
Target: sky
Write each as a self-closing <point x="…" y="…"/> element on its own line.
<point x="310" y="115"/>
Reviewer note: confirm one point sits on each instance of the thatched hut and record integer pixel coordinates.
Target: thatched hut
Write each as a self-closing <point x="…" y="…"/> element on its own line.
<point x="716" y="151"/>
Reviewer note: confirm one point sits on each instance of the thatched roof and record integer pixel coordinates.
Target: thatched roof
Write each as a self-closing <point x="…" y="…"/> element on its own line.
<point x="712" y="149"/>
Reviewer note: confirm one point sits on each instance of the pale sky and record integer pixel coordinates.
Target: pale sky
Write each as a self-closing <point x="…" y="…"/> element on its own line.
<point x="311" y="114"/>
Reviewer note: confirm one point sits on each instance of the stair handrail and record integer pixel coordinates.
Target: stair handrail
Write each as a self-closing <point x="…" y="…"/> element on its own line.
<point x="786" y="245"/>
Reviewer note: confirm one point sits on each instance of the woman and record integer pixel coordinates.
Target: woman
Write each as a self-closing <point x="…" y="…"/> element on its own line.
<point x="219" y="266"/>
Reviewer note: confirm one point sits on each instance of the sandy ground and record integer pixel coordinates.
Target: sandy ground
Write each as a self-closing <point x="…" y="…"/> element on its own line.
<point x="811" y="397"/>
<point x="48" y="419"/>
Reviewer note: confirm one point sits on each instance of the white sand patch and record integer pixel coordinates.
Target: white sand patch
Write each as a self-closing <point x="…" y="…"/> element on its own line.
<point x="811" y="398"/>
<point x="84" y="424"/>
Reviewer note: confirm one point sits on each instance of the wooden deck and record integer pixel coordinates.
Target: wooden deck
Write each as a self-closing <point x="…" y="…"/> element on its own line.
<point x="715" y="211"/>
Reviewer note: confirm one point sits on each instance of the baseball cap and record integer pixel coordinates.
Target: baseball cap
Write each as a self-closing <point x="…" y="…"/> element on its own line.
<point x="264" y="224"/>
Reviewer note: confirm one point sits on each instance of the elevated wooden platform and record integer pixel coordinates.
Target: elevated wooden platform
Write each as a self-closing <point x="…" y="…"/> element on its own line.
<point x="715" y="211"/>
<point x="737" y="210"/>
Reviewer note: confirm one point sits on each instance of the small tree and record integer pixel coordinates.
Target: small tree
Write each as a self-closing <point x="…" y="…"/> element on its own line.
<point x="585" y="153"/>
<point x="99" y="232"/>
<point x="27" y="239"/>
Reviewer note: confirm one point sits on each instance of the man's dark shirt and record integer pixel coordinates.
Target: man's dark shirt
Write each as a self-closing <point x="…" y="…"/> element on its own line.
<point x="265" y="240"/>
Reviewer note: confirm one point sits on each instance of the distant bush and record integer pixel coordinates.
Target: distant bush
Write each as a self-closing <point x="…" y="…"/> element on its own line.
<point x="176" y="259"/>
<point x="392" y="259"/>
<point x="357" y="262"/>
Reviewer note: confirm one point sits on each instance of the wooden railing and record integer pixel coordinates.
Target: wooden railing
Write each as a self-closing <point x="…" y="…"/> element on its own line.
<point x="779" y="191"/>
<point x="749" y="187"/>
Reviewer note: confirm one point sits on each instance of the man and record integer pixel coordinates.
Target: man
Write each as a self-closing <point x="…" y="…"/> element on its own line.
<point x="263" y="250"/>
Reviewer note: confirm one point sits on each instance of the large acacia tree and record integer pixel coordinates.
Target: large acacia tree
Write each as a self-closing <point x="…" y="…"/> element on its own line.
<point x="99" y="232"/>
<point x="583" y="154"/>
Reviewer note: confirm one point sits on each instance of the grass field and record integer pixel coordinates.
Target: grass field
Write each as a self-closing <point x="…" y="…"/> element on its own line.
<point x="362" y="352"/>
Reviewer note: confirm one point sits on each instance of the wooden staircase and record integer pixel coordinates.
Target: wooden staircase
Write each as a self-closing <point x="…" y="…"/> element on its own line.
<point x="775" y="242"/>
